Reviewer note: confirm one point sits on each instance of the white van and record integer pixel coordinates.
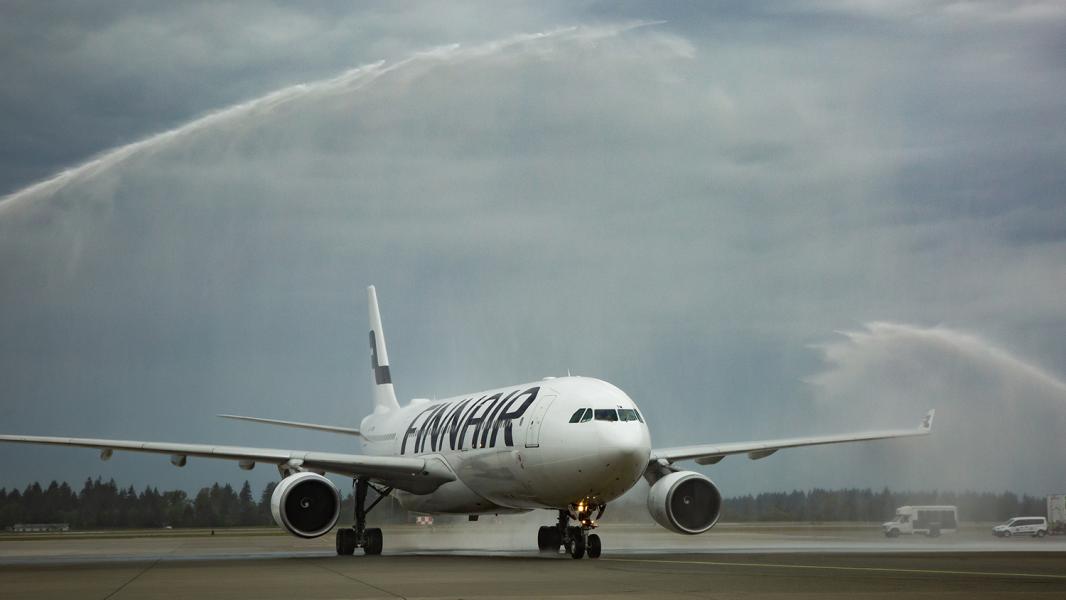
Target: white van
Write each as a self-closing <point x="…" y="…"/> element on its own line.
<point x="1034" y="526"/>
<point x="927" y="520"/>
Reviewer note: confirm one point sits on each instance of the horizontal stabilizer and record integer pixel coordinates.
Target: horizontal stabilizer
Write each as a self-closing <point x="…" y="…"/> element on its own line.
<point x="297" y="424"/>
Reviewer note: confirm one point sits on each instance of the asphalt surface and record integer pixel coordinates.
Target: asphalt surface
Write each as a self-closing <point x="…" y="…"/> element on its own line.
<point x="832" y="562"/>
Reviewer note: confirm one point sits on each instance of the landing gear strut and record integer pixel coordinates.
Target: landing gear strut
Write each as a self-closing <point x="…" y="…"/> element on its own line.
<point x="576" y="539"/>
<point x="370" y="540"/>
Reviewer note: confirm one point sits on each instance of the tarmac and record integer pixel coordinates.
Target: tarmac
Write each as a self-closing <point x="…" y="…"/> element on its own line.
<point x="494" y="560"/>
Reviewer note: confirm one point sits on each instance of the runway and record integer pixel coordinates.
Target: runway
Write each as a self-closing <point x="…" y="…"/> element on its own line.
<point x="797" y="562"/>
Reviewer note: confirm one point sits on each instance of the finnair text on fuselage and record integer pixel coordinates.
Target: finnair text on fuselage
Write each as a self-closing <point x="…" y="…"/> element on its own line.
<point x="449" y="422"/>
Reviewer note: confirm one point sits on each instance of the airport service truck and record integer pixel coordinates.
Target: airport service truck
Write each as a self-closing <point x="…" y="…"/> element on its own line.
<point x="1056" y="514"/>
<point x="927" y="520"/>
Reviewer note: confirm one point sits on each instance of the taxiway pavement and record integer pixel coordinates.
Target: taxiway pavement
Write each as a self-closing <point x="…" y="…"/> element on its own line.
<point x="495" y="562"/>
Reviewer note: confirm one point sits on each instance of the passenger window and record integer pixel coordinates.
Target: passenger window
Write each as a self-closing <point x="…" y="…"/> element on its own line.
<point x="588" y="416"/>
<point x="606" y="414"/>
<point x="577" y="415"/>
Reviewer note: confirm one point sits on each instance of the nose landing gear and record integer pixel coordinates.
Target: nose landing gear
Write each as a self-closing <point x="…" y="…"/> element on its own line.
<point x="370" y="540"/>
<point x="576" y="539"/>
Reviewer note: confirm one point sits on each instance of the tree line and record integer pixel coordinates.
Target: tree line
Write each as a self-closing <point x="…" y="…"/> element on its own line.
<point x="101" y="504"/>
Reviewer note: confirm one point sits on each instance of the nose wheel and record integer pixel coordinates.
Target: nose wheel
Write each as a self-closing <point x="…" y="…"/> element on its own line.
<point x="578" y="540"/>
<point x="592" y="546"/>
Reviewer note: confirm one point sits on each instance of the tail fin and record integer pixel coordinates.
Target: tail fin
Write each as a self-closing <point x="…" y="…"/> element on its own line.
<point x="384" y="393"/>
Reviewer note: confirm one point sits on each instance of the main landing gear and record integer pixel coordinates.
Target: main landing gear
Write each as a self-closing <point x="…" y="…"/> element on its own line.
<point x="370" y="540"/>
<point x="576" y="539"/>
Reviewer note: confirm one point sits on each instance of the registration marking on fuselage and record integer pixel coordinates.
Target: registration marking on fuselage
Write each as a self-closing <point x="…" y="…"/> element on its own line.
<point x="714" y="563"/>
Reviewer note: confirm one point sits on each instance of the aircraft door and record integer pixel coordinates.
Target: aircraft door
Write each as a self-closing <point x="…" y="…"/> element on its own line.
<point x="536" y="419"/>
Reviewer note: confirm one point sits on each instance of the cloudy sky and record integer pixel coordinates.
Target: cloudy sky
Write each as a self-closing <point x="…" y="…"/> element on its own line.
<point x="796" y="218"/>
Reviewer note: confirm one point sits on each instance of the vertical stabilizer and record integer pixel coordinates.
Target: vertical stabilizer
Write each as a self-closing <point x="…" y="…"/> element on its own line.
<point x="384" y="393"/>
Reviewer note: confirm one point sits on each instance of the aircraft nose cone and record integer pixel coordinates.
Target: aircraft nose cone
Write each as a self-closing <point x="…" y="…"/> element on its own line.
<point x="625" y="448"/>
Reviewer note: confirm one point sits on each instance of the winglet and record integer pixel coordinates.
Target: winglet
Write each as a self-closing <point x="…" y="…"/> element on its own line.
<point x="384" y="392"/>
<point x="927" y="421"/>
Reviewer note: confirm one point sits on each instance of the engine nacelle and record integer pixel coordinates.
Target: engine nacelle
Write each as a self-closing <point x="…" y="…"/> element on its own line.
<point x="685" y="502"/>
<point x="306" y="504"/>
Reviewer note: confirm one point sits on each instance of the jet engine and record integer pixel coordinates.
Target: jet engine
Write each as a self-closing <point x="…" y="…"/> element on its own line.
<point x="685" y="502"/>
<point x="306" y="504"/>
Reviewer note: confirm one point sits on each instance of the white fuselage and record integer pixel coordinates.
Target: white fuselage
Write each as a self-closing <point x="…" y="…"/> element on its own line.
<point x="514" y="449"/>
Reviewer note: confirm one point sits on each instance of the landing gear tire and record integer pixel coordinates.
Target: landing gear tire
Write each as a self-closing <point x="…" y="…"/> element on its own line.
<point x="577" y="548"/>
<point x="345" y="542"/>
<point x="547" y="539"/>
<point x="574" y="532"/>
<point x="594" y="546"/>
<point x="374" y="542"/>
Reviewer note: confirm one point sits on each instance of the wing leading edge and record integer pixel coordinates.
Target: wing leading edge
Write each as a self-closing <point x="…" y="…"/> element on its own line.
<point x="417" y="475"/>
<point x="709" y="454"/>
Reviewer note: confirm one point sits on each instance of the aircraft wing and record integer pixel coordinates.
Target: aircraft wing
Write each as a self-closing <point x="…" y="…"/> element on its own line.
<point x="709" y="454"/>
<point x="297" y="424"/>
<point x="418" y="475"/>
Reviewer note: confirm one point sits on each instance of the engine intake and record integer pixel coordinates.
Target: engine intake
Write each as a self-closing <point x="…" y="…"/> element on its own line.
<point x="306" y="505"/>
<point x="685" y="502"/>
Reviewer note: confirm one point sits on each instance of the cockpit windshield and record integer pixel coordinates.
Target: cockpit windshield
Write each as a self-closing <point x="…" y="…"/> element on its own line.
<point x="606" y="414"/>
<point x="584" y="415"/>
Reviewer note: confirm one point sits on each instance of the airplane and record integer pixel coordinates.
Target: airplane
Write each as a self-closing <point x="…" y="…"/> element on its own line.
<point x="567" y="444"/>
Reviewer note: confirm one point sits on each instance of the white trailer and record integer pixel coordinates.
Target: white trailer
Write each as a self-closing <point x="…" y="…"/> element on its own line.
<point x="926" y="520"/>
<point x="1056" y="514"/>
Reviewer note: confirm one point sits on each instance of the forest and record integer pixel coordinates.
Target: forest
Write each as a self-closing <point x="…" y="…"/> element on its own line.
<point x="104" y="504"/>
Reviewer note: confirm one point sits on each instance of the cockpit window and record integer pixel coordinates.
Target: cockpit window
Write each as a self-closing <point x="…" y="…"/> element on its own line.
<point x="582" y="415"/>
<point x="628" y="414"/>
<point x="606" y="414"/>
